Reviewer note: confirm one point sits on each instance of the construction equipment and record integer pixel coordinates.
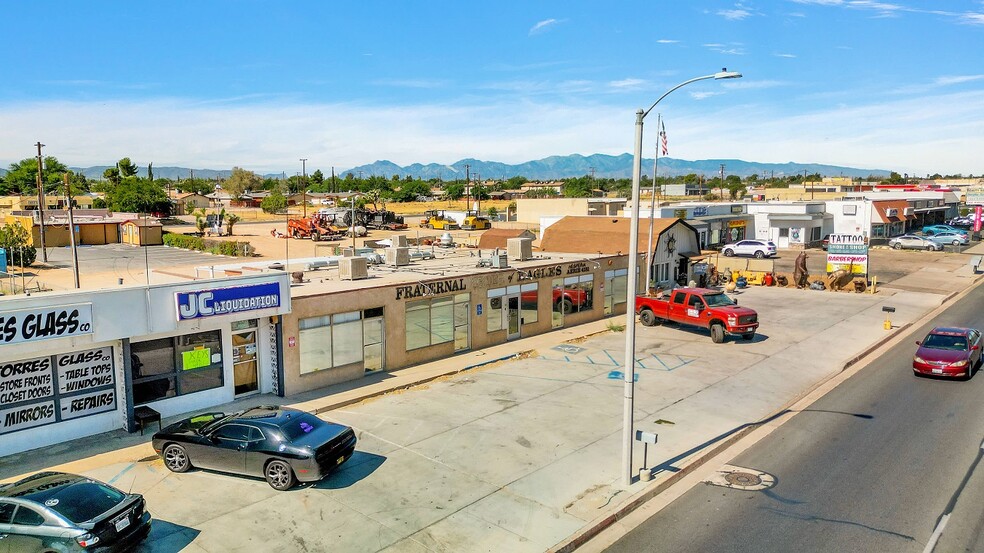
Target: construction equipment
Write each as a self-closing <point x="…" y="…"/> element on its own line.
<point x="385" y="220"/>
<point x="320" y="226"/>
<point x="474" y="221"/>
<point x="436" y="219"/>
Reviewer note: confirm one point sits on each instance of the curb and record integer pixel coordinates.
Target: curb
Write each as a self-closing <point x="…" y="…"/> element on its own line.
<point x="603" y="522"/>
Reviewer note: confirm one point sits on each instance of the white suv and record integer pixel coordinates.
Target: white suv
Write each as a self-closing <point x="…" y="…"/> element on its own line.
<point x="757" y="248"/>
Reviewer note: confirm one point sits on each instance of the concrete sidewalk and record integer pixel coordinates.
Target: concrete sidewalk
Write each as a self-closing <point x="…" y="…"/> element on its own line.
<point x="515" y="447"/>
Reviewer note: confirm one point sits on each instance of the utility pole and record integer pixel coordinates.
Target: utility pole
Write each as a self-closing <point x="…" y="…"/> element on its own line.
<point x="467" y="184"/>
<point x="478" y="196"/>
<point x="722" y="181"/>
<point x="304" y="185"/>
<point x="334" y="185"/>
<point x="44" y="252"/>
<point x="71" y="233"/>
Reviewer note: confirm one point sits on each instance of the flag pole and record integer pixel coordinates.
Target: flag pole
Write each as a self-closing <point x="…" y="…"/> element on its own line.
<point x="652" y="209"/>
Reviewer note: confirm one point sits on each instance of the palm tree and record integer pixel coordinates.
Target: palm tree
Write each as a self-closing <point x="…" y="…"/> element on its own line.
<point x="231" y="219"/>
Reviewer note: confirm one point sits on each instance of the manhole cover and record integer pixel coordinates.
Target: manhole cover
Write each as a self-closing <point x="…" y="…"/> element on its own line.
<point x="740" y="478"/>
<point x="743" y="479"/>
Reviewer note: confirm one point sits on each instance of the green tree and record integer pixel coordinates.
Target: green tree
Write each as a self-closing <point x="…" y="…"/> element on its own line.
<point x="230" y="221"/>
<point x="127" y="168"/>
<point x="411" y="190"/>
<point x="14" y="239"/>
<point x="274" y="203"/>
<point x="454" y="191"/>
<point x="138" y="195"/>
<point x="113" y="176"/>
<point x="22" y="176"/>
<point x="515" y="182"/>
<point x="317" y="177"/>
<point x="240" y="182"/>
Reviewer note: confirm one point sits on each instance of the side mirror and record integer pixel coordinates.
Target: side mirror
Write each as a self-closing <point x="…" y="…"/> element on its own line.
<point x="918" y="343"/>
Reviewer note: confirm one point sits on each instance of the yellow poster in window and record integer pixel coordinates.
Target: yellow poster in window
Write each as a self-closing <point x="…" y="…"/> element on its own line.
<point x="196" y="359"/>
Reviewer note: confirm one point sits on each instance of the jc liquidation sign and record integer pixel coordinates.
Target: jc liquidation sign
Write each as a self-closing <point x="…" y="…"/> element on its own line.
<point x="54" y="388"/>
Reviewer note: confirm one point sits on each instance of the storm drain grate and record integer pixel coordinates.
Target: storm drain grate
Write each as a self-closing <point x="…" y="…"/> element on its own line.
<point x="738" y="478"/>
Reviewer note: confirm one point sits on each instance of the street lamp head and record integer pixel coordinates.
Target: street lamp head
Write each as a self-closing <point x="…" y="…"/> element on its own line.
<point x="725" y="74"/>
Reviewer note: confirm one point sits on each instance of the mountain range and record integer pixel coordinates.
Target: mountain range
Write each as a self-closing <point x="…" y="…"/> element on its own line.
<point x="549" y="168"/>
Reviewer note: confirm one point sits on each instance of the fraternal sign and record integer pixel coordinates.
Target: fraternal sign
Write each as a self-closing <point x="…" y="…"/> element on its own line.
<point x="31" y="325"/>
<point x="227" y="301"/>
<point x="848" y="252"/>
<point x="55" y="388"/>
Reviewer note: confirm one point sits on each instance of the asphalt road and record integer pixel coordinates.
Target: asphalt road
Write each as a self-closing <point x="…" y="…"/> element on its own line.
<point x="875" y="466"/>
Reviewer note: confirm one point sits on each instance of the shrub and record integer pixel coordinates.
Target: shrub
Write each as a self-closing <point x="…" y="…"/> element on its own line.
<point x="219" y="247"/>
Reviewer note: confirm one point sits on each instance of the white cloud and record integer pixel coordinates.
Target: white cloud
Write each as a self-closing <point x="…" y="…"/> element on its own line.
<point x="917" y="134"/>
<point x="627" y="83"/>
<point x="542" y="26"/>
<point x="958" y="79"/>
<point x="667" y="41"/>
<point x="734" y="15"/>
<point x="785" y="55"/>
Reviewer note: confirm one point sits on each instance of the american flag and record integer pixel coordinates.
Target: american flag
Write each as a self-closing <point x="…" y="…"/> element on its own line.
<point x="662" y="134"/>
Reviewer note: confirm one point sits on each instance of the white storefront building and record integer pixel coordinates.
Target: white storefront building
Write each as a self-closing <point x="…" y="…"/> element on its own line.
<point x="78" y="363"/>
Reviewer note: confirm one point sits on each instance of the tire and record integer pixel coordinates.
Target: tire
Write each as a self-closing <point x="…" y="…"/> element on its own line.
<point x="748" y="336"/>
<point x="759" y="254"/>
<point x="647" y="317"/>
<point x="729" y="253"/>
<point x="956" y="242"/>
<point x="717" y="333"/>
<point x="279" y="475"/>
<point x="897" y="246"/>
<point x="176" y="458"/>
<point x="930" y="248"/>
<point x="566" y="306"/>
<point x="315" y="237"/>
<point x="295" y="234"/>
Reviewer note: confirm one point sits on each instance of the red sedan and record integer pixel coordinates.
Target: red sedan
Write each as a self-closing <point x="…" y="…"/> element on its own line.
<point x="952" y="352"/>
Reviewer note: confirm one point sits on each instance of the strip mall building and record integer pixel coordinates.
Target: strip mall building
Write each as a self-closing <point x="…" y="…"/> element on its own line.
<point x="189" y="347"/>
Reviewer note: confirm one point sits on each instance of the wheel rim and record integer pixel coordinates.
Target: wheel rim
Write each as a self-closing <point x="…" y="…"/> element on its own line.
<point x="278" y="474"/>
<point x="175" y="458"/>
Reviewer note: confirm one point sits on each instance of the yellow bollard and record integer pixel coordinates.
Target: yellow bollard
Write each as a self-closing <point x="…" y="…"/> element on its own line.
<point x="888" y="324"/>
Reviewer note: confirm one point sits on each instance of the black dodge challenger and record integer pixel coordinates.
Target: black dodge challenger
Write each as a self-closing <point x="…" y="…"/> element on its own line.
<point x="281" y="444"/>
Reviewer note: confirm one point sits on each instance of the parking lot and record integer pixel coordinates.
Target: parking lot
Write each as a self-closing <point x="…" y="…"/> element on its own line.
<point x="518" y="455"/>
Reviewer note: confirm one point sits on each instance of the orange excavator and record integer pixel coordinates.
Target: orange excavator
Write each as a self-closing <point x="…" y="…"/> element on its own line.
<point x="320" y="226"/>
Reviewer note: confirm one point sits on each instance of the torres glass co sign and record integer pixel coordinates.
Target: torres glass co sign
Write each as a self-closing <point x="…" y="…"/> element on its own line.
<point x="226" y="301"/>
<point x="31" y="325"/>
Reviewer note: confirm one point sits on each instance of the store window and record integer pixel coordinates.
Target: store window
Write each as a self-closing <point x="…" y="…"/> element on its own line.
<point x="170" y="367"/>
<point x="615" y="288"/>
<point x="815" y="234"/>
<point x="331" y="341"/>
<point x="437" y="321"/>
<point x="497" y="315"/>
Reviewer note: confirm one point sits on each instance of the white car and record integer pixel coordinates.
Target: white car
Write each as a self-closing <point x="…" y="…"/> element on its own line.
<point x="757" y="248"/>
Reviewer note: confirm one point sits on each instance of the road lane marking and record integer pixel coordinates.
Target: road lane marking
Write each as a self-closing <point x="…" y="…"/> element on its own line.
<point x="937" y="532"/>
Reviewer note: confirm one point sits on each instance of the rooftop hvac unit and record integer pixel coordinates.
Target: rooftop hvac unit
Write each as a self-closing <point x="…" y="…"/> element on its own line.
<point x="500" y="261"/>
<point x="520" y="249"/>
<point x="891" y="212"/>
<point x="908" y="211"/>
<point x="353" y="268"/>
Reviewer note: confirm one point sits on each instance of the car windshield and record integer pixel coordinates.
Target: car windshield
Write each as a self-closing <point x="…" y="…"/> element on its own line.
<point x="299" y="425"/>
<point x="945" y="341"/>
<point x="84" y="501"/>
<point x="718" y="300"/>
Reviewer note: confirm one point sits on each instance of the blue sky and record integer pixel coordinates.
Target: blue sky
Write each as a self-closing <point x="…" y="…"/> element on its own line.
<point x="880" y="85"/>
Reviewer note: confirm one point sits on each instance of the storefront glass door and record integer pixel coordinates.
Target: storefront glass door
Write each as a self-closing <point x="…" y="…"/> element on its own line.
<point x="513" y="317"/>
<point x="244" y="362"/>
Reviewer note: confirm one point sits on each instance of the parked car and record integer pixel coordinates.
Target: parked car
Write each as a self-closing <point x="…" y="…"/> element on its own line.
<point x="280" y="444"/>
<point x="954" y="352"/>
<point x="936" y="229"/>
<point x="55" y="511"/>
<point x="954" y="238"/>
<point x="914" y="242"/>
<point x="825" y="242"/>
<point x="965" y="221"/>
<point x="702" y="307"/>
<point x="757" y="248"/>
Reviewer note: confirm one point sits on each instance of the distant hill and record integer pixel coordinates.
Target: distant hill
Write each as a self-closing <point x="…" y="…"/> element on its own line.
<point x="548" y="168"/>
<point x="605" y="166"/>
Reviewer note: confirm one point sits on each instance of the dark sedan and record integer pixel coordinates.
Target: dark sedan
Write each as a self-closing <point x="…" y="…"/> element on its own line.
<point x="54" y="511"/>
<point x="953" y="352"/>
<point x="280" y="444"/>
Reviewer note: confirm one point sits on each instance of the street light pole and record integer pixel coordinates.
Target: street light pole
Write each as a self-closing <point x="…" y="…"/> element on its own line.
<point x="303" y="161"/>
<point x="632" y="277"/>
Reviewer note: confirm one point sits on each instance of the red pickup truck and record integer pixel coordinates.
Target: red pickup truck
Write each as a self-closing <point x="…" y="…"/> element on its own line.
<point x="564" y="299"/>
<point x="703" y="307"/>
